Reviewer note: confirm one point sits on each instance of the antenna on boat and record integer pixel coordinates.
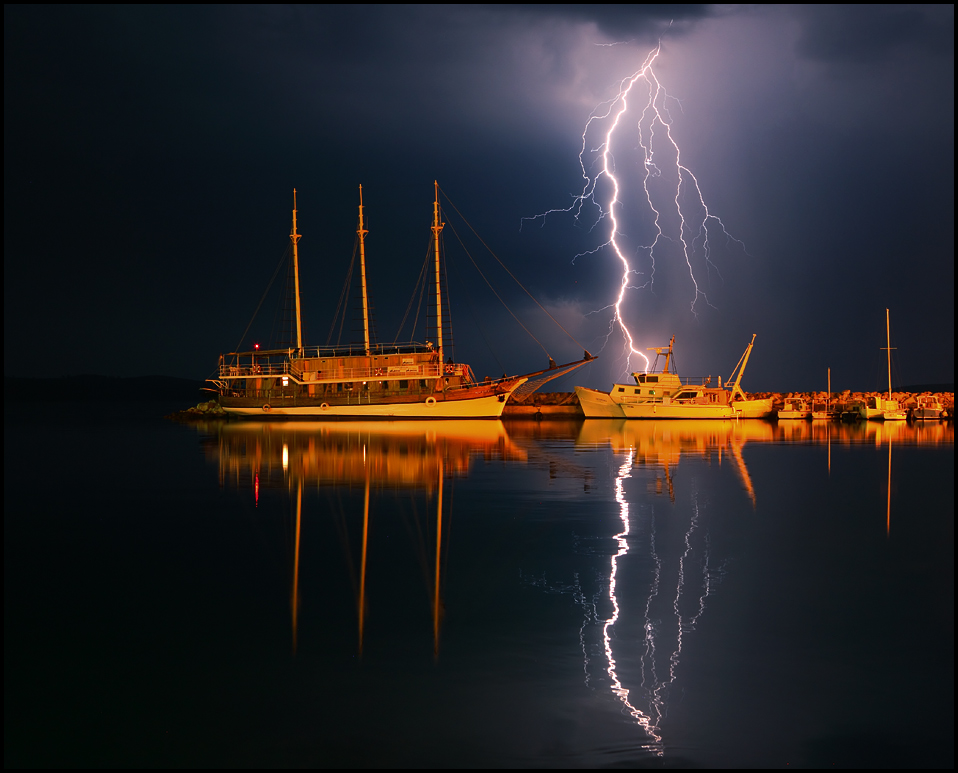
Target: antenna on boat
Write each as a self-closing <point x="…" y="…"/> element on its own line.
<point x="362" y="270"/>
<point x="294" y="237"/>
<point x="436" y="228"/>
<point x="659" y="350"/>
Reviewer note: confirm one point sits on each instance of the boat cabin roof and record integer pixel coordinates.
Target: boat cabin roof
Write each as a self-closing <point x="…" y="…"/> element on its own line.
<point x="655" y="378"/>
<point x="347" y="350"/>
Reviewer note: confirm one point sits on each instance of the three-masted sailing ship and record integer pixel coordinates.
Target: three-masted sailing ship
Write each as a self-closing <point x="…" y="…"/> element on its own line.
<point x="396" y="381"/>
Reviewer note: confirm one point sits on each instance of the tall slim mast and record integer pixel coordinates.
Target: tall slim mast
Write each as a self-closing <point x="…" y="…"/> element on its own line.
<point x="294" y="237"/>
<point x="362" y="270"/>
<point x="888" y="338"/>
<point x="436" y="228"/>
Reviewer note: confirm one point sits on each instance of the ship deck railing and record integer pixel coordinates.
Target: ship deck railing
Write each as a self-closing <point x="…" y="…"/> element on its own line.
<point x="348" y="350"/>
<point x="264" y="363"/>
<point x="424" y="370"/>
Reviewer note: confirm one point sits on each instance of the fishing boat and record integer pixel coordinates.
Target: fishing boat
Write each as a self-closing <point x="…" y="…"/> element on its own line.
<point x="795" y="408"/>
<point x="927" y="408"/>
<point x="661" y="394"/>
<point x="413" y="380"/>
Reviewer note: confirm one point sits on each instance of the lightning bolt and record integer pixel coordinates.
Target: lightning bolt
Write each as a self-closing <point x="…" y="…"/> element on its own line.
<point x="654" y="129"/>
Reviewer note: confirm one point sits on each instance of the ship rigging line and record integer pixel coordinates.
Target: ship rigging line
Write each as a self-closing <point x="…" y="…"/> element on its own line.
<point x="342" y="299"/>
<point x="420" y="286"/>
<point x="282" y="260"/>
<point x="456" y="234"/>
<point x="509" y="272"/>
<point x="475" y="317"/>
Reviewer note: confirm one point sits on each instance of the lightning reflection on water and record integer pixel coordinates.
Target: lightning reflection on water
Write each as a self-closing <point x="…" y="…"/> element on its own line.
<point x="653" y="657"/>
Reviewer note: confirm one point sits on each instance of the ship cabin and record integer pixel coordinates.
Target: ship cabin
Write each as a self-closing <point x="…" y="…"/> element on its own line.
<point x="342" y="374"/>
<point x="654" y="384"/>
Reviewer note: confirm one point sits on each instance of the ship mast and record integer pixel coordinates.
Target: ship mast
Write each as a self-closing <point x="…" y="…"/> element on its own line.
<point x="362" y="270"/>
<point x="436" y="228"/>
<point x="888" y="347"/>
<point x="294" y="237"/>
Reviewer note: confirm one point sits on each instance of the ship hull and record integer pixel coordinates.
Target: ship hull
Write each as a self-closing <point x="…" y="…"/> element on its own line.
<point x="752" y="409"/>
<point x="676" y="411"/>
<point x="598" y="405"/>
<point x="487" y="406"/>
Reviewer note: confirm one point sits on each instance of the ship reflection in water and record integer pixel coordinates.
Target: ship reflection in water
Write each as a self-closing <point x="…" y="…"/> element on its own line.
<point x="413" y="456"/>
<point x="631" y="635"/>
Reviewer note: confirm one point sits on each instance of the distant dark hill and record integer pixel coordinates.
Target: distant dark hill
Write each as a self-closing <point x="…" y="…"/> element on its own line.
<point x="927" y="388"/>
<point x="108" y="388"/>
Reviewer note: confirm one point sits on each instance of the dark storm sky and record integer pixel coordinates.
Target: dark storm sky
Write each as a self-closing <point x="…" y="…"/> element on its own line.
<point x="150" y="156"/>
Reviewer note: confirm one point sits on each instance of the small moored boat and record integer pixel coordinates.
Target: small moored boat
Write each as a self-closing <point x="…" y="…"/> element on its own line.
<point x="795" y="408"/>
<point x="928" y="408"/>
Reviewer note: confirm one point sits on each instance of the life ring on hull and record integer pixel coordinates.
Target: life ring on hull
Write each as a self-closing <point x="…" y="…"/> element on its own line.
<point x="324" y="407"/>
<point x="266" y="408"/>
<point x="430" y="400"/>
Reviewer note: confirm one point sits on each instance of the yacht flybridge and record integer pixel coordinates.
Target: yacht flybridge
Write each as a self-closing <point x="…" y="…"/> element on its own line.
<point x="409" y="381"/>
<point x="661" y="394"/>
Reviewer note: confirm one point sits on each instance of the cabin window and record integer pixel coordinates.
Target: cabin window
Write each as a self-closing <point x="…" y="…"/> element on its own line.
<point x="422" y="383"/>
<point x="404" y="384"/>
<point x="637" y="391"/>
<point x="652" y="379"/>
<point x="621" y="389"/>
<point x="285" y="381"/>
<point x="651" y="391"/>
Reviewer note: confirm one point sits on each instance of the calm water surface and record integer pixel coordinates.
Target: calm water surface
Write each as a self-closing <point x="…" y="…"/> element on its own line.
<point x="583" y="594"/>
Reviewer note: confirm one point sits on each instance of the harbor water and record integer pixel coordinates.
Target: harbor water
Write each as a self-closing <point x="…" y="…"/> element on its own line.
<point x="521" y="594"/>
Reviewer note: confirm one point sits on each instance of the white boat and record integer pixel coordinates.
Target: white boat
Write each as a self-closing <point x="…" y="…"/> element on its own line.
<point x="928" y="408"/>
<point x="875" y="407"/>
<point x="795" y="408"/>
<point x="661" y="394"/>
<point x="396" y="381"/>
